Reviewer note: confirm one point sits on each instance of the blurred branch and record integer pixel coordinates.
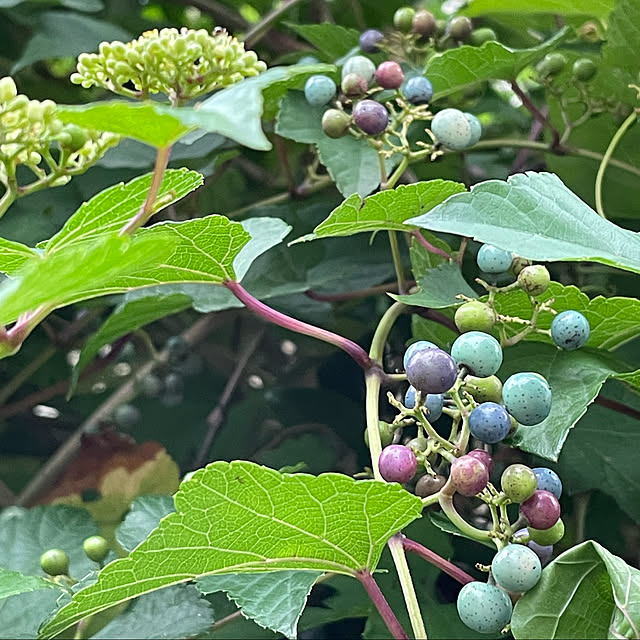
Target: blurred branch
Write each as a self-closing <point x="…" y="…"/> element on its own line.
<point x="537" y="114"/>
<point x="618" y="406"/>
<point x="353" y="295"/>
<point x="255" y="34"/>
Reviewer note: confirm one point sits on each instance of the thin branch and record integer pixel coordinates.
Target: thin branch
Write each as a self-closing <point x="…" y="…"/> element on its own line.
<point x="618" y="406"/>
<point x="255" y="34"/>
<point x="535" y="131"/>
<point x="381" y="604"/>
<point x="536" y="113"/>
<point x="428" y="246"/>
<point x="437" y="561"/>
<point x="436" y="316"/>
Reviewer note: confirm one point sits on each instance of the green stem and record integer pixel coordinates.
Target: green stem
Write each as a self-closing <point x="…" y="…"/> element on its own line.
<point x="25" y="373"/>
<point x="633" y="116"/>
<point x="8" y="198"/>
<point x="397" y="262"/>
<point x="395" y="176"/>
<point x="446" y="503"/>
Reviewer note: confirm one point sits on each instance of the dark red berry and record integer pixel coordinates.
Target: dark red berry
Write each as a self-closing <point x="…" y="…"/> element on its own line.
<point x="371" y="117"/>
<point x="424" y="23"/>
<point x="483" y="456"/>
<point x="431" y="371"/>
<point x="389" y="75"/>
<point x="397" y="463"/>
<point x="542" y="509"/>
<point x="468" y="475"/>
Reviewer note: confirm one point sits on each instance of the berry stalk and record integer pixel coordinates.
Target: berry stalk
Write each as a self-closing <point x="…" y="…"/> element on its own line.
<point x="377" y="597"/>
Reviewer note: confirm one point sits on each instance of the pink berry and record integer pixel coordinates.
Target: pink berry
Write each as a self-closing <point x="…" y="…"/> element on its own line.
<point x="542" y="509"/>
<point x="389" y="75"/>
<point x="468" y="475"/>
<point x="483" y="456"/>
<point x="397" y="463"/>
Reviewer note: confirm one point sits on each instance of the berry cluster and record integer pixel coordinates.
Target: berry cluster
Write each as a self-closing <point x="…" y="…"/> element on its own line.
<point x="55" y="562"/>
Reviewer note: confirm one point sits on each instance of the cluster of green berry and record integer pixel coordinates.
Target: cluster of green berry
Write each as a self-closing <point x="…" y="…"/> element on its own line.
<point x="55" y="562"/>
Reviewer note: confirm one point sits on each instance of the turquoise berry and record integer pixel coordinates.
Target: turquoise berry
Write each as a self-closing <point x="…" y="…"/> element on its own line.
<point x="360" y="65"/>
<point x="548" y="480"/>
<point x="476" y="128"/>
<point x="417" y="346"/>
<point x="484" y="607"/>
<point x="410" y="397"/>
<point x="479" y="352"/>
<point x="319" y="90"/>
<point x="527" y="397"/>
<point x="490" y="259"/>
<point x="452" y="129"/>
<point x="570" y="330"/>
<point x="434" y="403"/>
<point x="417" y="90"/>
<point x="516" y="568"/>
<point x="308" y="60"/>
<point x="489" y="422"/>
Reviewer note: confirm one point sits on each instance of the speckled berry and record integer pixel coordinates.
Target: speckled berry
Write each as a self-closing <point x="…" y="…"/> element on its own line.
<point x="542" y="509"/>
<point x="489" y="422"/>
<point x="354" y="85"/>
<point x="452" y="129"/>
<point x="428" y="485"/>
<point x="479" y="36"/>
<point x="484" y="607"/>
<point x="370" y="39"/>
<point x="570" y="330"/>
<point x="431" y="371"/>
<point x="319" y="90"/>
<point x="469" y="475"/>
<point x="584" y="69"/>
<point x="519" y="264"/>
<point x="490" y="259"/>
<point x="474" y="316"/>
<point x="548" y="480"/>
<point x="547" y="537"/>
<point x="335" y="123"/>
<point x="544" y="552"/>
<point x="403" y="19"/>
<point x="527" y="397"/>
<point x="386" y="433"/>
<point x="484" y="389"/>
<point x="424" y="23"/>
<point x="389" y="75"/>
<point x="371" y="117"/>
<point x="416" y="346"/>
<point x="360" y="65"/>
<point x="476" y="128"/>
<point x="483" y="456"/>
<point x="534" y="279"/>
<point x="418" y="90"/>
<point x="434" y="403"/>
<point x="479" y="352"/>
<point x="410" y="397"/>
<point x="518" y="482"/>
<point x="397" y="463"/>
<point x="460" y="28"/>
<point x="516" y="568"/>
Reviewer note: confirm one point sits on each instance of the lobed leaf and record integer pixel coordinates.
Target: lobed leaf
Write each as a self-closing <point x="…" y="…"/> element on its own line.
<point x="13" y="583"/>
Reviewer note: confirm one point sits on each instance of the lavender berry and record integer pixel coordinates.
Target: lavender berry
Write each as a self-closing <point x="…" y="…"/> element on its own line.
<point x="417" y="346"/>
<point x="431" y="371"/>
<point x="370" y="39"/>
<point x="371" y="117"/>
<point x="397" y="463"/>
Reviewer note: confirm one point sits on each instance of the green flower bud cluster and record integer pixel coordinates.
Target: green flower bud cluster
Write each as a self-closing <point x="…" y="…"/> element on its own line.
<point x="181" y="64"/>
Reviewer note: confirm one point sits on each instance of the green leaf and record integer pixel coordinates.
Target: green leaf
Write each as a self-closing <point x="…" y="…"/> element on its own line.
<point x="23" y="614"/>
<point x="575" y="378"/>
<point x="423" y="260"/>
<point x="332" y="40"/>
<point x="176" y="612"/>
<point x="424" y="329"/>
<point x="13" y="583"/>
<point x="386" y="210"/>
<point x="25" y="534"/>
<point x="109" y="210"/>
<point x="14" y="255"/>
<point x="143" y="517"/>
<point x="444" y="524"/>
<point x="586" y="592"/>
<point x="537" y="217"/>
<point x="596" y="8"/>
<point x="453" y="69"/>
<point x="263" y="521"/>
<point x="439" y="287"/>
<point x="273" y="600"/>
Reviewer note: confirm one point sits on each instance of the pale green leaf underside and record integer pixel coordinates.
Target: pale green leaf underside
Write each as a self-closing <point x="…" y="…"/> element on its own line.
<point x="597" y="8"/>
<point x="13" y="583"/>
<point x="240" y="517"/>
<point x="537" y="217"/>
<point x="14" y="255"/>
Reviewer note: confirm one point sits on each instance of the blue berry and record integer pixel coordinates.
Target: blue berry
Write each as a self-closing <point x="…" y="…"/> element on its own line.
<point x="410" y="398"/>
<point x="431" y="371"/>
<point x="516" y="568"/>
<point x="370" y="39"/>
<point x="544" y="552"/>
<point x="308" y="60"/>
<point x="418" y="90"/>
<point x="434" y="403"/>
<point x="417" y="346"/>
<point x="476" y="128"/>
<point x="318" y="90"/>
<point x="493" y="260"/>
<point x="371" y="117"/>
<point x="360" y="65"/>
<point x="527" y="397"/>
<point x="489" y="422"/>
<point x="570" y="330"/>
<point x="478" y="351"/>
<point x="452" y="129"/>
<point x="484" y="607"/>
<point x="548" y="480"/>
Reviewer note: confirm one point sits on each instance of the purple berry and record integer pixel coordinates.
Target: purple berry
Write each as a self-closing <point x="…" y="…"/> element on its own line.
<point x="371" y="117"/>
<point x="432" y="371"/>
<point x="544" y="552"/>
<point x="389" y="75"/>
<point x="469" y="476"/>
<point x="483" y="456"/>
<point x="428" y="485"/>
<point x="397" y="463"/>
<point x="370" y="39"/>
<point x="416" y="346"/>
<point x="542" y="509"/>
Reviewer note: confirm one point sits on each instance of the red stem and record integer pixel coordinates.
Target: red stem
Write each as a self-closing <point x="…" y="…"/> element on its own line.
<point x="428" y="246"/>
<point x="437" y="561"/>
<point x="381" y="604"/>
<point x="282" y="320"/>
<point x="359" y="293"/>
<point x="537" y="114"/>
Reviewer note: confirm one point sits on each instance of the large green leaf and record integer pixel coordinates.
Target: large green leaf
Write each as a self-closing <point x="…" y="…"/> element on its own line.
<point x="537" y="217"/>
<point x="333" y="40"/>
<point x="21" y="615"/>
<point x="586" y="592"/>
<point x="13" y="583"/>
<point x="109" y="210"/>
<point x="14" y="255"/>
<point x="453" y="69"/>
<point x="263" y="521"/>
<point x="143" y="517"/>
<point x="575" y="378"/>
<point x="597" y="8"/>
<point x="386" y="210"/>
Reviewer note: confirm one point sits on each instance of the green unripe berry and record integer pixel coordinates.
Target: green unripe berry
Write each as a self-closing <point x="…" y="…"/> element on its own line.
<point x="418" y="444"/>
<point x="518" y="482"/>
<point x="460" y="28"/>
<point x="552" y="64"/>
<point x="519" y="264"/>
<point x="480" y="36"/>
<point x="424" y="23"/>
<point x="96" y="548"/>
<point x="8" y="89"/>
<point x="386" y="434"/>
<point x="403" y="19"/>
<point x="549" y="536"/>
<point x="335" y="123"/>
<point x="484" y="389"/>
<point x="35" y="111"/>
<point x="55" y="562"/>
<point x="78" y="136"/>
<point x="475" y="316"/>
<point x="534" y="279"/>
<point x="354" y="85"/>
<point x="584" y="69"/>
<point x="441" y="27"/>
